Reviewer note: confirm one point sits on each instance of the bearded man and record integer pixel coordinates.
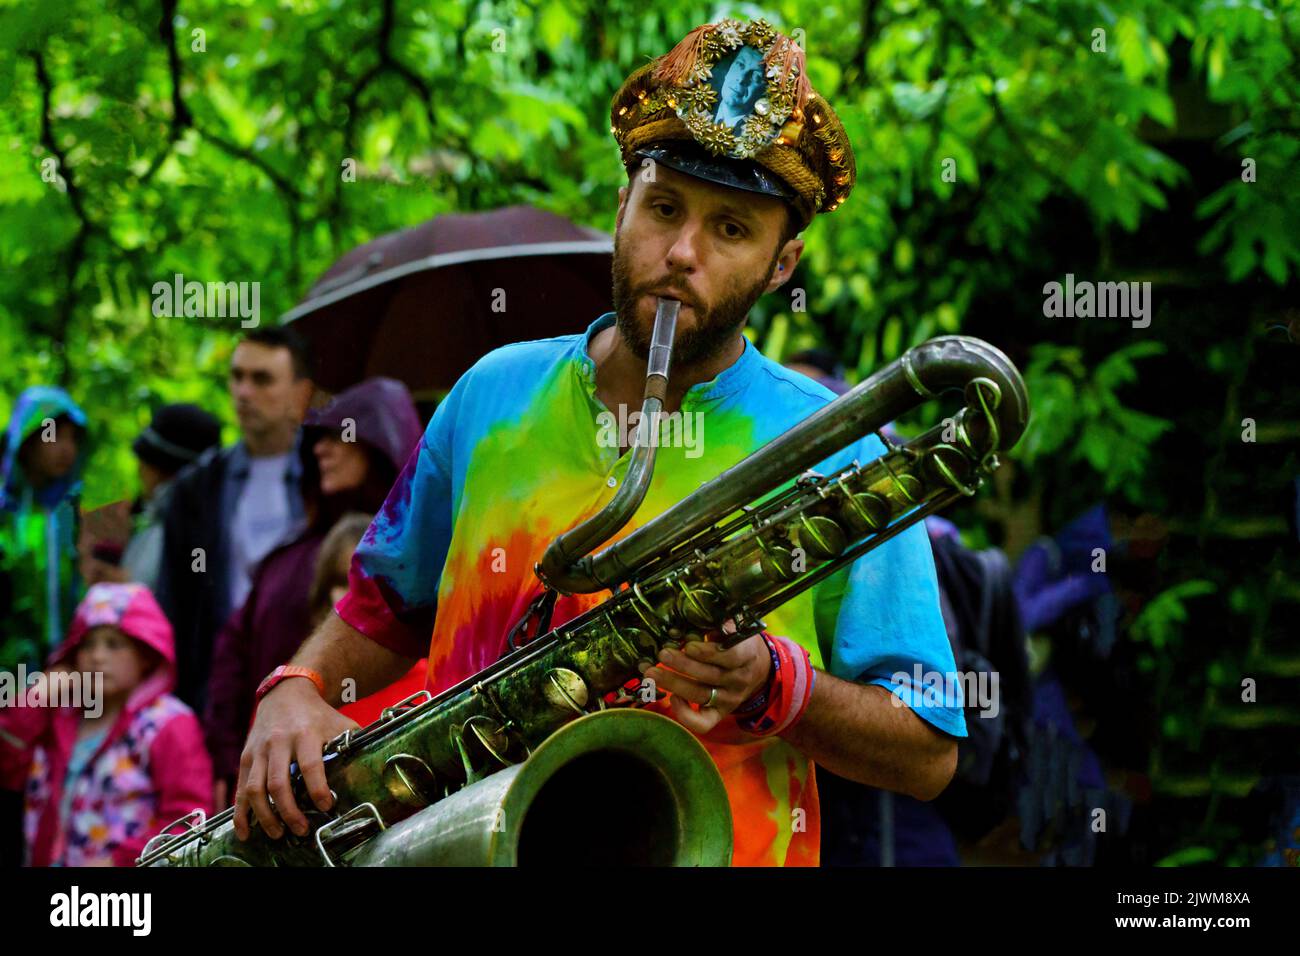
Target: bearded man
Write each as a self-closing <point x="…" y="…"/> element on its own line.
<point x="710" y="216"/>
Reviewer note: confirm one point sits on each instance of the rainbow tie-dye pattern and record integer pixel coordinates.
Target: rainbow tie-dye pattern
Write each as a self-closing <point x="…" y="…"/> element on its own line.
<point x="512" y="459"/>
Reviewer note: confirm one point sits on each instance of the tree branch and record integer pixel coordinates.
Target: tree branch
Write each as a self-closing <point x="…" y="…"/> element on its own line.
<point x="388" y="63"/>
<point x="181" y="116"/>
<point x="77" y="249"/>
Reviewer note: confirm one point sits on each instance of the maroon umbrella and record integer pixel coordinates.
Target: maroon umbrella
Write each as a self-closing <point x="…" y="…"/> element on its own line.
<point x="423" y="304"/>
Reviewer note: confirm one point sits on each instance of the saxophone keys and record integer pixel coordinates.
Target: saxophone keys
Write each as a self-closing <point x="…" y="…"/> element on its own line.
<point x="195" y="823"/>
<point x="777" y="563"/>
<point x="489" y="736"/>
<point x="419" y="698"/>
<point x="410" y="780"/>
<point x="631" y="645"/>
<point x="905" y="488"/>
<point x="820" y="537"/>
<point x="865" y="512"/>
<point x="492" y="736"/>
<point x="699" y="607"/>
<point x="946" y="465"/>
<point x="646" y="648"/>
<point x="646" y="612"/>
<point x="349" y="829"/>
<point x="565" y="690"/>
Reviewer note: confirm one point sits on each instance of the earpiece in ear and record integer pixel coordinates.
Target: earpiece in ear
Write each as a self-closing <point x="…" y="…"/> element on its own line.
<point x="780" y="268"/>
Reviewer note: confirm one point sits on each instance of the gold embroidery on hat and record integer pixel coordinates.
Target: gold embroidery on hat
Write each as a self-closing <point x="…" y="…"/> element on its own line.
<point x="688" y="69"/>
<point x="791" y="130"/>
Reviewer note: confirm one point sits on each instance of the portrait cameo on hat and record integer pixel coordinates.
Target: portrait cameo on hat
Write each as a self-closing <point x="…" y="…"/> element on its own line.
<point x="739" y="81"/>
<point x="732" y="84"/>
<point x="740" y="91"/>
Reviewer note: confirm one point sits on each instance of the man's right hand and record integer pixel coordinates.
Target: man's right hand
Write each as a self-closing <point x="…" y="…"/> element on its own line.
<point x="292" y="723"/>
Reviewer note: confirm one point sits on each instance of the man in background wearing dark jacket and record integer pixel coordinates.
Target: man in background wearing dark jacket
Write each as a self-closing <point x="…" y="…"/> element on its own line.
<point x="233" y="505"/>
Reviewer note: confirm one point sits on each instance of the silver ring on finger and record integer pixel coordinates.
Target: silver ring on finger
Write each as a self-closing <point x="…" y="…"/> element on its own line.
<point x="713" y="695"/>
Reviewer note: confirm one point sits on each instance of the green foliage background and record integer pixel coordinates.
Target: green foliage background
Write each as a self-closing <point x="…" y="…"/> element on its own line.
<point x="1117" y="155"/>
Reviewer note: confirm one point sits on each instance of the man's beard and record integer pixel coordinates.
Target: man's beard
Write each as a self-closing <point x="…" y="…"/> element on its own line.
<point x="716" y="324"/>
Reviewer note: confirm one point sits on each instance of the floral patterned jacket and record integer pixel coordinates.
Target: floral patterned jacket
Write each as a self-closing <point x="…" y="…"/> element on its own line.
<point x="150" y="769"/>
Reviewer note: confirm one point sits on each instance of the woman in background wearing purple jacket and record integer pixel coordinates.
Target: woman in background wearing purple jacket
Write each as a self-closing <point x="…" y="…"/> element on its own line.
<point x="352" y="452"/>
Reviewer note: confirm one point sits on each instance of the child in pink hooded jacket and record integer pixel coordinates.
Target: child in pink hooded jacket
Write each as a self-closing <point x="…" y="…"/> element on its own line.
<point x="98" y="788"/>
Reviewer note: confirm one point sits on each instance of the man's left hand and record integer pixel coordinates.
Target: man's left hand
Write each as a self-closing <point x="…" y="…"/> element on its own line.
<point x="691" y="674"/>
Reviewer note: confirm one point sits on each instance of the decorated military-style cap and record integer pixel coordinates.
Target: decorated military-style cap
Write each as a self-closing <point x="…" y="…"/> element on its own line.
<point x="731" y="103"/>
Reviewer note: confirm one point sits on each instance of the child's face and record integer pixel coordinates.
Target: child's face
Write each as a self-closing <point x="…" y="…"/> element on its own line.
<point x="108" y="651"/>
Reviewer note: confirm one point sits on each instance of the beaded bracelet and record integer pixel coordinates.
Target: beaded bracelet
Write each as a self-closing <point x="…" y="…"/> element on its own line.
<point x="786" y="697"/>
<point x="760" y="697"/>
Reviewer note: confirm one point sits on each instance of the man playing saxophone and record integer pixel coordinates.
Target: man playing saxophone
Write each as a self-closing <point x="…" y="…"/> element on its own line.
<point x="709" y="217"/>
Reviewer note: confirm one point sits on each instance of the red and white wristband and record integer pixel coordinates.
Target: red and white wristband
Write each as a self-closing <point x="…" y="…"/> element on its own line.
<point x="782" y="703"/>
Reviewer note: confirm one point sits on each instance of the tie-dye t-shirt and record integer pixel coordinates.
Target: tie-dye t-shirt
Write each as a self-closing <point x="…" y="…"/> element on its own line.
<point x="515" y="456"/>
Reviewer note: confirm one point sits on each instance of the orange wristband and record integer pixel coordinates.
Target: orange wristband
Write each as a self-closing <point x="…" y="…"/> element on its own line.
<point x="285" y="671"/>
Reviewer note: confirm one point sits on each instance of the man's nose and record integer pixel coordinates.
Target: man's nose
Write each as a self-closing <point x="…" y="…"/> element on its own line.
<point x="684" y="253"/>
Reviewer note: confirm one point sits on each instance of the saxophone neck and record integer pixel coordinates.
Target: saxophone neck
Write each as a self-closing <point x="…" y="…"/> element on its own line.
<point x="567" y="566"/>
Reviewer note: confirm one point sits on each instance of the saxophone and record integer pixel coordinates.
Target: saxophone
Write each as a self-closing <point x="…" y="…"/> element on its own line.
<point x="513" y="765"/>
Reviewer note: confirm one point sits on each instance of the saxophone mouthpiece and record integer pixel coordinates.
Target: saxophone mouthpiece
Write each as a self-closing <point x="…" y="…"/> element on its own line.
<point x="661" y="346"/>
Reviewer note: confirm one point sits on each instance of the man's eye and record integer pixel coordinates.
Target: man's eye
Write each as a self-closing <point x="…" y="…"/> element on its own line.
<point x="732" y="230"/>
<point x="665" y="209"/>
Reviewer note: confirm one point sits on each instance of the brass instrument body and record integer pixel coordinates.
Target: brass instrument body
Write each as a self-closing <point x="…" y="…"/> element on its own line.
<point x="711" y="557"/>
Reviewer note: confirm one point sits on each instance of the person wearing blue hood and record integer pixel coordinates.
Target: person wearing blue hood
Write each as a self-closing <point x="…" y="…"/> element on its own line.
<point x="42" y="456"/>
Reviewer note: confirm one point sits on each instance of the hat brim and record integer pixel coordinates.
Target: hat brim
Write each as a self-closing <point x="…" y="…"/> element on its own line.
<point x="151" y="455"/>
<point x="692" y="159"/>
